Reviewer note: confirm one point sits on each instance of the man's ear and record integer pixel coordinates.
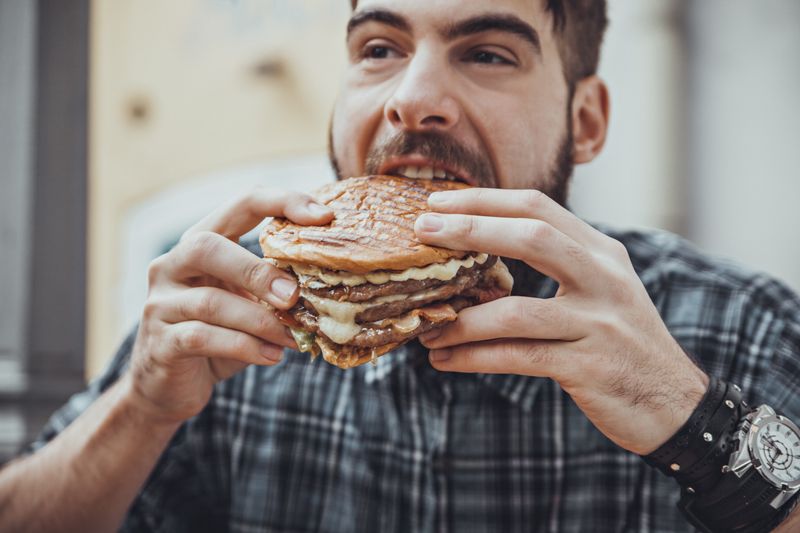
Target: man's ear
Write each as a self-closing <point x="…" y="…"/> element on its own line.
<point x="590" y="108"/>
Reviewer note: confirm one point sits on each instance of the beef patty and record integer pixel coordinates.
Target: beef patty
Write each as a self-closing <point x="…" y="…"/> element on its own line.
<point x="371" y="334"/>
<point x="440" y="291"/>
<point x="368" y="291"/>
<point x="377" y="334"/>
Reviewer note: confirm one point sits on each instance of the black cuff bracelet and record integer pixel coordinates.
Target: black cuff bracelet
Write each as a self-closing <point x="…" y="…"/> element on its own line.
<point x="696" y="453"/>
<point x="704" y="474"/>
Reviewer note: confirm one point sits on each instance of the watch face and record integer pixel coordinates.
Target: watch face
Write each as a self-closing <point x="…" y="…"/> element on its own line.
<point x="777" y="447"/>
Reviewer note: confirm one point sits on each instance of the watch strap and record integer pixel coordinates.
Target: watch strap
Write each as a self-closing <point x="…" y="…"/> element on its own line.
<point x="770" y="523"/>
<point x="737" y="502"/>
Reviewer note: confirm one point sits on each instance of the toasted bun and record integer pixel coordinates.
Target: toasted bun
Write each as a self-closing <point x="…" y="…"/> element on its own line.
<point x="352" y="356"/>
<point x="372" y="229"/>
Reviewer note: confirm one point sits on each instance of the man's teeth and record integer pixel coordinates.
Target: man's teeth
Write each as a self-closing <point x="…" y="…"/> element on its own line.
<point x="425" y="173"/>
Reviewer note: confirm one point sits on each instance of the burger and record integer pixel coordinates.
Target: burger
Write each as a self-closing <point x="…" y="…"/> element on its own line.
<point x="367" y="285"/>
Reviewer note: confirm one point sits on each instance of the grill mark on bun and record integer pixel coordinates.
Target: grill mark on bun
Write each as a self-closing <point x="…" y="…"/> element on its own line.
<point x="372" y="229"/>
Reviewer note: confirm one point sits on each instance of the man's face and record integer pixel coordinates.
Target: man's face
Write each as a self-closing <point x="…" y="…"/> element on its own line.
<point x="472" y="88"/>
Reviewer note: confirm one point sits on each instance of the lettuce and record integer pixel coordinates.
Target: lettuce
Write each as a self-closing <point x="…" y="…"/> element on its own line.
<point x="305" y="341"/>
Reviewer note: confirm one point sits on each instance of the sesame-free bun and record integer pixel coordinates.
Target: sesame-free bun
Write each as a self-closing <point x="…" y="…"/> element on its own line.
<point x="372" y="228"/>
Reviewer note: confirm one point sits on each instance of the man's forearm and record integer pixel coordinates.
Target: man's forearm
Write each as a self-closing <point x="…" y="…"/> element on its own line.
<point x="87" y="477"/>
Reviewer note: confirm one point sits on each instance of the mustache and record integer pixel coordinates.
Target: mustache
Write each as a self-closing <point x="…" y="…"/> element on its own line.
<point x="436" y="146"/>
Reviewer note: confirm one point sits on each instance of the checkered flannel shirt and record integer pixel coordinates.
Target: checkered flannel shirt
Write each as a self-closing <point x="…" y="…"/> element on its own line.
<point x="304" y="446"/>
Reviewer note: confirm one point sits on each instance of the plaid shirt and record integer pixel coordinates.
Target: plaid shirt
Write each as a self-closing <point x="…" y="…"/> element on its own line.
<point x="398" y="446"/>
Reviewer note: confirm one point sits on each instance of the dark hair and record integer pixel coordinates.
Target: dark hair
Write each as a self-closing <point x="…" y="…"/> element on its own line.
<point x="579" y="26"/>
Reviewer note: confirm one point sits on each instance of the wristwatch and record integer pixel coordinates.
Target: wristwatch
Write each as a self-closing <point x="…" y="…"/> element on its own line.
<point x="770" y="444"/>
<point x="761" y="476"/>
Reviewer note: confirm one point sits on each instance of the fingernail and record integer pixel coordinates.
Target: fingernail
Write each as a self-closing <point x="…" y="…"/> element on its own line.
<point x="430" y="222"/>
<point x="271" y="353"/>
<point x="437" y="356"/>
<point x="283" y="288"/>
<point x="437" y="198"/>
<point x="318" y="210"/>
<point x="431" y="335"/>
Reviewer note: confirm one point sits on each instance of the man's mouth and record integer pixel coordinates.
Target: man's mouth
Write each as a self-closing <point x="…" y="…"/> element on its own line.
<point x="426" y="171"/>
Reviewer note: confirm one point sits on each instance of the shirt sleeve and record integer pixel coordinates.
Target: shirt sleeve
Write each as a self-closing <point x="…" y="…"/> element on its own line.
<point x="181" y="493"/>
<point x="79" y="402"/>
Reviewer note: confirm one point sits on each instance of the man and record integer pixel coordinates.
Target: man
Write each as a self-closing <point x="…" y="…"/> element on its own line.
<point x="203" y="423"/>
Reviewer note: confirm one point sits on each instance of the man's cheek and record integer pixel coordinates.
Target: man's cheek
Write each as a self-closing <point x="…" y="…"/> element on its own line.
<point x="353" y="133"/>
<point x="341" y="140"/>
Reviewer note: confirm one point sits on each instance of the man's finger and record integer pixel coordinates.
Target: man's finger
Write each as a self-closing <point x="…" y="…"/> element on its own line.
<point x="207" y="253"/>
<point x="239" y="216"/>
<point x="524" y="357"/>
<point x="529" y="203"/>
<point x="536" y="242"/>
<point x="508" y="318"/>
<point x="221" y="308"/>
<point x="198" y="339"/>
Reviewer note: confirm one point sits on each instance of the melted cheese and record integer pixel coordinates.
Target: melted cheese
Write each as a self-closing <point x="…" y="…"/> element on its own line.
<point x="440" y="271"/>
<point x="338" y="331"/>
<point x="337" y="320"/>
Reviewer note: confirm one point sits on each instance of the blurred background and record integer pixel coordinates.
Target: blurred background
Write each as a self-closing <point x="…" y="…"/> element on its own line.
<point x="122" y="122"/>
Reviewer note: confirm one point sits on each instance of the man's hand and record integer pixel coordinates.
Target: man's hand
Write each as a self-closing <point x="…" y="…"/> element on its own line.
<point x="601" y="338"/>
<point x="204" y="319"/>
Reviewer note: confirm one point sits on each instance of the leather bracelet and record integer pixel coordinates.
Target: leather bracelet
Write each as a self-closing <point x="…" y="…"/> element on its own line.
<point x="717" y="437"/>
<point x="720" y="427"/>
<point x="702" y="442"/>
<point x="709" y="472"/>
<point x="662" y="458"/>
<point x="706" y="473"/>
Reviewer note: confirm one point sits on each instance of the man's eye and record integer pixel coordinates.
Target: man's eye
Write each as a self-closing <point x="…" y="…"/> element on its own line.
<point x="488" y="58"/>
<point x="378" y="52"/>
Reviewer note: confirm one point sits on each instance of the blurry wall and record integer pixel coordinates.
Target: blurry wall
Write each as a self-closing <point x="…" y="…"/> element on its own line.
<point x="638" y="179"/>
<point x="17" y="51"/>
<point x="744" y="125"/>
<point x="194" y="100"/>
<point x="17" y="43"/>
<point x="703" y="136"/>
<point x="43" y="151"/>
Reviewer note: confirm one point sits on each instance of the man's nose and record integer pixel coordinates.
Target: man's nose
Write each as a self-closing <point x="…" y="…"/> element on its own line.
<point x="424" y="98"/>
